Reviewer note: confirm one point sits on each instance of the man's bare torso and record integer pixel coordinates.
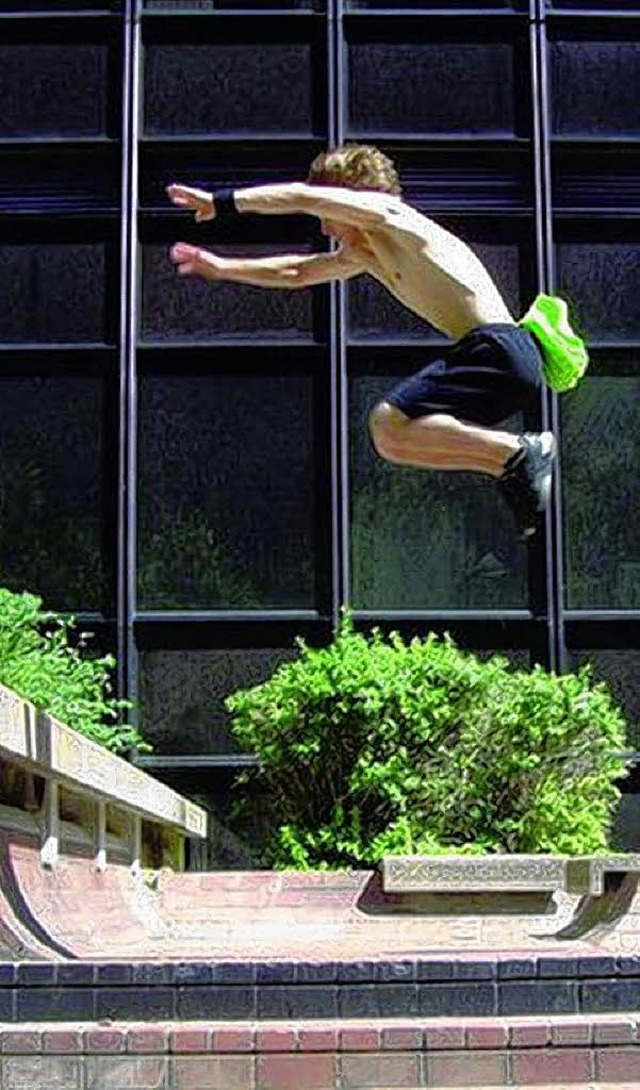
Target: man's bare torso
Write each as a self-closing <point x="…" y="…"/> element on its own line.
<point x="428" y="270"/>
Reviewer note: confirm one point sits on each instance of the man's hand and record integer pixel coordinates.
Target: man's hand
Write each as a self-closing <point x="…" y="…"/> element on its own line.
<point x="196" y="200"/>
<point x="192" y="261"/>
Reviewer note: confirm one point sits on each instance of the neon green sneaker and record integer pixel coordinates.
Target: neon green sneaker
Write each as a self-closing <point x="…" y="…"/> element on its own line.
<point x="564" y="355"/>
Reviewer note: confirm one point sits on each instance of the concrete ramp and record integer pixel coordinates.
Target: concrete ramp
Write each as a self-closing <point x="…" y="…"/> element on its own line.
<point x="91" y="853"/>
<point x="75" y="910"/>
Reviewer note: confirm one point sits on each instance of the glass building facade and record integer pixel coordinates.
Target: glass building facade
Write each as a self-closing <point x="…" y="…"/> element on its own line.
<point x="186" y="466"/>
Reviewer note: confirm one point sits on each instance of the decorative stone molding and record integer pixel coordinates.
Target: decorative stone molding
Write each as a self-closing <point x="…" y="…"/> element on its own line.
<point x="528" y="885"/>
<point x="503" y="873"/>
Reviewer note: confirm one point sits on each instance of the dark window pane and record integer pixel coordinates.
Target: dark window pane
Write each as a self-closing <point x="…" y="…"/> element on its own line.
<point x="491" y="186"/>
<point x="51" y="491"/>
<point x="21" y="6"/>
<point x="445" y="180"/>
<point x="621" y="671"/>
<point x="250" y="87"/>
<point x="612" y="7"/>
<point x="60" y="178"/>
<point x="52" y="293"/>
<point x="603" y="281"/>
<point x="594" y="87"/>
<point x="600" y="458"/>
<point x="375" y="314"/>
<point x="503" y="262"/>
<point x="226" y="492"/>
<point x="425" y="540"/>
<point x="605" y="180"/>
<point x="53" y="90"/>
<point x="432" y="87"/>
<point x="182" y="309"/>
<point x="182" y="695"/>
<point x="231" y="5"/>
<point x="437" y="5"/>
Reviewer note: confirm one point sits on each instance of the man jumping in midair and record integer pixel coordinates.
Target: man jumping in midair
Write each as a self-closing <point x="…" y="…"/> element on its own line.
<point x="445" y="416"/>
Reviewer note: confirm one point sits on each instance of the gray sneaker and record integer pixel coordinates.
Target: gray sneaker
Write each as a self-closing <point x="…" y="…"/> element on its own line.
<point x="525" y="484"/>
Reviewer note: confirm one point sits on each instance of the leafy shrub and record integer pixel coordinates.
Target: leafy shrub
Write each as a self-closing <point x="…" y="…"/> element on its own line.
<point x="38" y="661"/>
<point x="375" y="746"/>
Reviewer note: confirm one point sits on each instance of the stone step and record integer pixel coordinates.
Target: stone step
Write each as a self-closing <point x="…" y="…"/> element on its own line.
<point x="410" y="1054"/>
<point x="245" y="990"/>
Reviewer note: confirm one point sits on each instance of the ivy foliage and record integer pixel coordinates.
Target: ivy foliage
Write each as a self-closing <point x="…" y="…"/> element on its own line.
<point x="43" y="660"/>
<point x="375" y="746"/>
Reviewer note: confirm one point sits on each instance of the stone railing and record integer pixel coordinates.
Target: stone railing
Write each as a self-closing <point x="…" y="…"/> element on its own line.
<point x="74" y="795"/>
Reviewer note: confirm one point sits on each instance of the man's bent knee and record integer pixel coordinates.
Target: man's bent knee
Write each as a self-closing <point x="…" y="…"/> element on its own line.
<point x="387" y="425"/>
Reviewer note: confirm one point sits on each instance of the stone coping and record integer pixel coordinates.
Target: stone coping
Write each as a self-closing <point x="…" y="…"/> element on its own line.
<point x="38" y="742"/>
<point x="346" y="1035"/>
<point x="469" y="969"/>
<point x="503" y="873"/>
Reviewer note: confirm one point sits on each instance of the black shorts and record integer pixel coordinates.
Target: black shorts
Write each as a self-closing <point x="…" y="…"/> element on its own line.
<point x="486" y="376"/>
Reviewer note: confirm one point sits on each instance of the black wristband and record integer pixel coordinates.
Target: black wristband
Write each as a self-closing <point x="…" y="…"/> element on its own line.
<point x="224" y="203"/>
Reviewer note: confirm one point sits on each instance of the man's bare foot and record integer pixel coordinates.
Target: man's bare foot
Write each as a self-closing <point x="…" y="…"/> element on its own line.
<point x="192" y="261"/>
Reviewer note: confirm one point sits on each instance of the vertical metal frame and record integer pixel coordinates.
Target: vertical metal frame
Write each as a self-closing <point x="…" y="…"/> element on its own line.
<point x="126" y="561"/>
<point x="547" y="575"/>
<point x="554" y="527"/>
<point x="337" y="340"/>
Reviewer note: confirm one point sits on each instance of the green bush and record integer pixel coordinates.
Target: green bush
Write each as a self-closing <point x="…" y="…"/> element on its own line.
<point x="375" y="746"/>
<point x="38" y="661"/>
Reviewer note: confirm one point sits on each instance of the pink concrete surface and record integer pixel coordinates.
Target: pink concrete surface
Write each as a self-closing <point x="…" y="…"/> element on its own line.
<point x="80" y="910"/>
<point x="17" y="941"/>
<point x="314" y="916"/>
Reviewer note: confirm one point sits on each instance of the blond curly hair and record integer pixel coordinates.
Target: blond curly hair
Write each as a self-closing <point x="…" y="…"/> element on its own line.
<point x="355" y="166"/>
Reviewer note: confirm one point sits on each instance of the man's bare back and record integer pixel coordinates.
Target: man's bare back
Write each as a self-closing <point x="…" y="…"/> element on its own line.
<point x="429" y="270"/>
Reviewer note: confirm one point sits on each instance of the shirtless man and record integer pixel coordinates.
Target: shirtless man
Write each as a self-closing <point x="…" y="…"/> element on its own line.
<point x="444" y="417"/>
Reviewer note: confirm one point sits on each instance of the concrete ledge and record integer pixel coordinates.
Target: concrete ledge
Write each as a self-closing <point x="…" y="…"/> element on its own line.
<point x="70" y="794"/>
<point x="37" y="741"/>
<point x="507" y="874"/>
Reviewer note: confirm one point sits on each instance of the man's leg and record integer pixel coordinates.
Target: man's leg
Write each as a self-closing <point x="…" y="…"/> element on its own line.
<point x="522" y="465"/>
<point x="439" y="441"/>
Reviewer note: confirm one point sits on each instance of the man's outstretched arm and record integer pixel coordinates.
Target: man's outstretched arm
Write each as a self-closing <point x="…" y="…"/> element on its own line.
<point x="283" y="271"/>
<point x="352" y="207"/>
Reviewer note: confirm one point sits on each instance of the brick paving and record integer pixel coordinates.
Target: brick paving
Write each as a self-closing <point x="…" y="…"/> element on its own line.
<point x="576" y="1052"/>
